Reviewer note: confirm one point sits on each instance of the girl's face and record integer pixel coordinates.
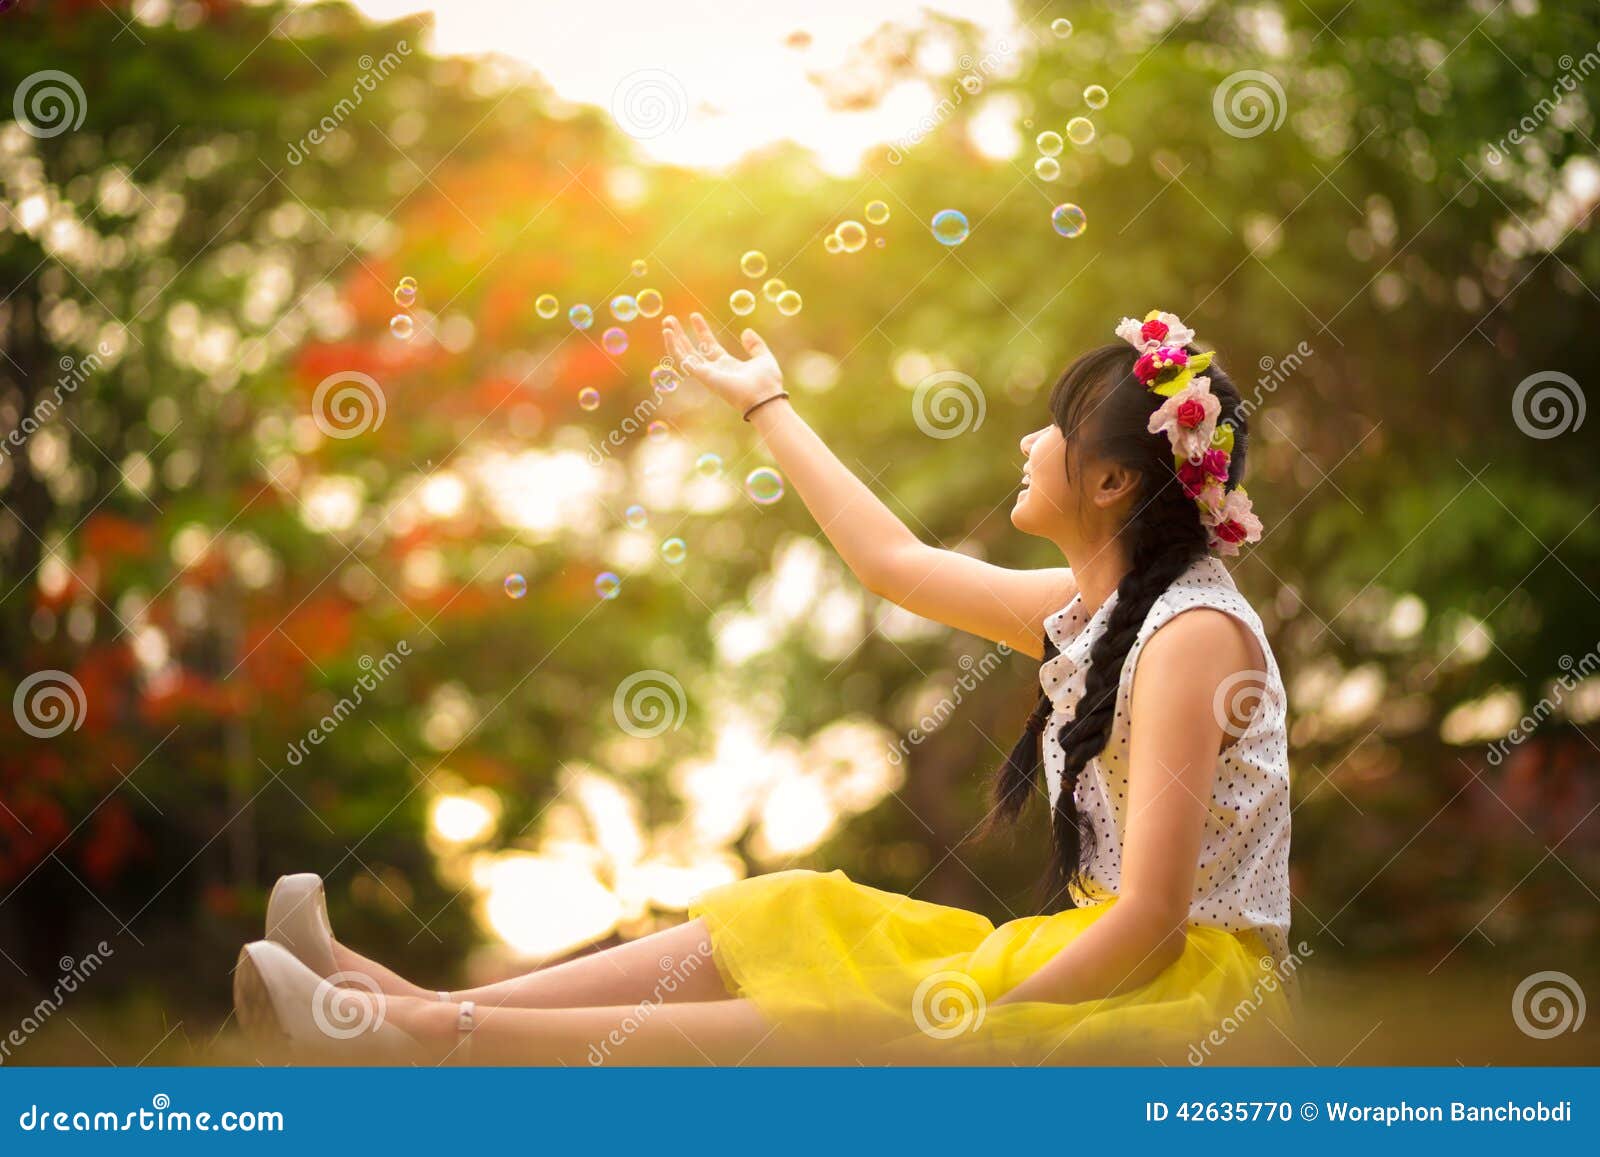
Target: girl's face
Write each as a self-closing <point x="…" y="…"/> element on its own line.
<point x="1045" y="503"/>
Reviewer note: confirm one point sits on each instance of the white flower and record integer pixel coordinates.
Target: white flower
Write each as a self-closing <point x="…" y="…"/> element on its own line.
<point x="1131" y="330"/>
<point x="1188" y="441"/>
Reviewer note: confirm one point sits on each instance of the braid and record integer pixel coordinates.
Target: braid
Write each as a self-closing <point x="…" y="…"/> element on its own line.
<point x="1015" y="780"/>
<point x="1166" y="539"/>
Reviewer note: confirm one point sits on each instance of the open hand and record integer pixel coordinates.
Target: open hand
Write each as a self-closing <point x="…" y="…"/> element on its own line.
<point x="741" y="382"/>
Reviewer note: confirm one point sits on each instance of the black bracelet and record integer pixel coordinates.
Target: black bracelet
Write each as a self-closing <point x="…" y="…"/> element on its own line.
<point x="763" y="402"/>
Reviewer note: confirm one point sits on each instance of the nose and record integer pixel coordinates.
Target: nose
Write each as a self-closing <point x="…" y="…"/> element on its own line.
<point x="1028" y="440"/>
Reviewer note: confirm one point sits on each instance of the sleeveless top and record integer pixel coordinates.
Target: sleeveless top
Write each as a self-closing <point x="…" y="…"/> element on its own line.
<point x="1243" y="877"/>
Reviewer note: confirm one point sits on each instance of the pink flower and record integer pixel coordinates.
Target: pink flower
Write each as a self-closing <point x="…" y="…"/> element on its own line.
<point x="1195" y="473"/>
<point x="1233" y="524"/>
<point x="1151" y="367"/>
<point x="1210" y="500"/>
<point x="1188" y="419"/>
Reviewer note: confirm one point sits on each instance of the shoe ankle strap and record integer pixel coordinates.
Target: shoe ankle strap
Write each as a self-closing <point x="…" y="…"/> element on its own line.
<point x="466" y="1021"/>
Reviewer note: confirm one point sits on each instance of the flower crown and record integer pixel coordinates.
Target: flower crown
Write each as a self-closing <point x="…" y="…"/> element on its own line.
<point x="1201" y="448"/>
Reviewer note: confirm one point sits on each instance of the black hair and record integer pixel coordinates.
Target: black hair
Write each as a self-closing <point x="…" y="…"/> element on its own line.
<point x="1101" y="407"/>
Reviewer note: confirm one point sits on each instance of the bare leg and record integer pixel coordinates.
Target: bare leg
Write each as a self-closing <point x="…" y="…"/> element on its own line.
<point x="387" y="980"/>
<point x="672" y="965"/>
<point x="723" y="1032"/>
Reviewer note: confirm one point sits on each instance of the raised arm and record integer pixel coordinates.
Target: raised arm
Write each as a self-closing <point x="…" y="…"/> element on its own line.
<point x="1008" y="606"/>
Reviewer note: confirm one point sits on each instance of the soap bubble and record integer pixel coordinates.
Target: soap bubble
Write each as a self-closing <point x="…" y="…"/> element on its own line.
<point x="649" y="302"/>
<point x="950" y="227"/>
<point x="877" y="212"/>
<point x="674" y="550"/>
<point x="832" y="243"/>
<point x="615" y="340"/>
<point x="789" y="303"/>
<point x="402" y="326"/>
<point x="516" y="586"/>
<point x="753" y="263"/>
<point x="1050" y="144"/>
<point x="589" y="398"/>
<point x="1061" y="27"/>
<point x="624" y="307"/>
<point x="581" y="316"/>
<point x="1095" y="96"/>
<point x="657" y="431"/>
<point x="852" y="236"/>
<point x="639" y="268"/>
<point x="772" y="289"/>
<point x="708" y="465"/>
<point x="764" y="485"/>
<point x="1047" y="168"/>
<point x="607" y="585"/>
<point x="636" y="516"/>
<point x="406" y="292"/>
<point x="546" y="306"/>
<point x="1069" y="220"/>
<point x="665" y="379"/>
<point x="1080" y="130"/>
<point x="741" y="301"/>
<point x="879" y="242"/>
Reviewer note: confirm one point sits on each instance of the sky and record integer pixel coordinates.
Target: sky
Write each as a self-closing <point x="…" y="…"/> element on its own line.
<point x="701" y="82"/>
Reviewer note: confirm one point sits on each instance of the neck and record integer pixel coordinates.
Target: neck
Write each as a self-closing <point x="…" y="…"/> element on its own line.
<point x="1097" y="568"/>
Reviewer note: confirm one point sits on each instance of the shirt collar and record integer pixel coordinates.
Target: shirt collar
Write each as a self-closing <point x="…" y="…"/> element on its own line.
<point x="1073" y="630"/>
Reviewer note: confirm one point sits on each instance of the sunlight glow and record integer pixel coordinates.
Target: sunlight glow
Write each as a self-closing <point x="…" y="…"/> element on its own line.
<point x="539" y="492"/>
<point x="765" y="73"/>
<point x="467" y="818"/>
<point x="544" y="907"/>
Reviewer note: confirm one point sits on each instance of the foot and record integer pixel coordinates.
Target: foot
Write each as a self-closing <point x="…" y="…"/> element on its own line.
<point x="280" y="1002"/>
<point x="297" y="919"/>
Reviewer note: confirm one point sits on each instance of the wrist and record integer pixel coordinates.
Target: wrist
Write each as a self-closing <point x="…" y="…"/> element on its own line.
<point x="776" y="399"/>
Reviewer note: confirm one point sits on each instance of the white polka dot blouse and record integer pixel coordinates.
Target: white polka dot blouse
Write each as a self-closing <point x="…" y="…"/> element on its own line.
<point x="1243" y="877"/>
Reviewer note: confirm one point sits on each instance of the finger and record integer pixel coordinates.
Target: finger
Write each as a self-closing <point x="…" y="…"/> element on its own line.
<point x="753" y="343"/>
<point x="672" y="334"/>
<point x="705" y="337"/>
<point x="678" y="345"/>
<point x="686" y="354"/>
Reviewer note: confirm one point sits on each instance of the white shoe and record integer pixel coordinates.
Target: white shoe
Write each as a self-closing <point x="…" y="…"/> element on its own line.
<point x="280" y="1000"/>
<point x="297" y="918"/>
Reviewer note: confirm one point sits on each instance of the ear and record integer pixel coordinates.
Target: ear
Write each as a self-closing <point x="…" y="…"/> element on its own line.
<point x="1113" y="485"/>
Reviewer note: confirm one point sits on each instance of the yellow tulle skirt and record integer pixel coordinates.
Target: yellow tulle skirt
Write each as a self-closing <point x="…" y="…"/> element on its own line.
<point x="849" y="974"/>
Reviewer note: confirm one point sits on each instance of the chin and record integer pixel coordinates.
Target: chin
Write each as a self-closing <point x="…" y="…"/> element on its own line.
<point x="1021" y="516"/>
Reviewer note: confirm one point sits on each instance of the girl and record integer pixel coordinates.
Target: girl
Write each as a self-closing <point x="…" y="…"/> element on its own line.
<point x="1160" y="726"/>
